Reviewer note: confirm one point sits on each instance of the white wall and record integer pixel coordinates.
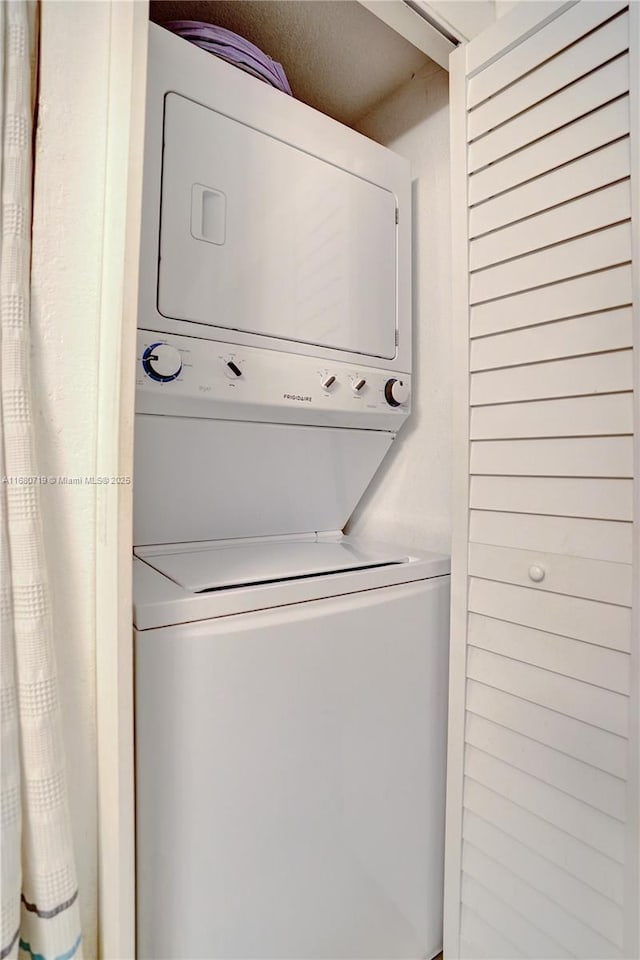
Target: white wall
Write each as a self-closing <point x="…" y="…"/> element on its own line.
<point x="503" y="7"/>
<point x="465" y="18"/>
<point x="67" y="250"/>
<point x="409" y="499"/>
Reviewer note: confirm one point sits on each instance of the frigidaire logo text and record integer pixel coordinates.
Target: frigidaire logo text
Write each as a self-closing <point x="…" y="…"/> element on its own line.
<point x="296" y="396"/>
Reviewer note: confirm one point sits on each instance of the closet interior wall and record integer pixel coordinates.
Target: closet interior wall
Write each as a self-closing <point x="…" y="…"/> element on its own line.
<point x="409" y="499"/>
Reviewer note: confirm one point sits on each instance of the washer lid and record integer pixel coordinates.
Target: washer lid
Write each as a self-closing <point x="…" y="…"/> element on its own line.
<point x="241" y="565"/>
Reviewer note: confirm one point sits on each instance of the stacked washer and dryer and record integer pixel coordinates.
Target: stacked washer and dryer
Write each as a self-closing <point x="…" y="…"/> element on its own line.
<point x="290" y="680"/>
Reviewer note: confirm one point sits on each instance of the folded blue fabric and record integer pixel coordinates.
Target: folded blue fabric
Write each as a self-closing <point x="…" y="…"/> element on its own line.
<point x="234" y="49"/>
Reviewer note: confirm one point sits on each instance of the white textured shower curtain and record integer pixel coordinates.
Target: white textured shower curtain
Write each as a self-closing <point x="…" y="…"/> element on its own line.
<point x="40" y="917"/>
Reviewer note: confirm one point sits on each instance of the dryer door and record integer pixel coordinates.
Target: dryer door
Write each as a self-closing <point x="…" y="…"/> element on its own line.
<point x="264" y="238"/>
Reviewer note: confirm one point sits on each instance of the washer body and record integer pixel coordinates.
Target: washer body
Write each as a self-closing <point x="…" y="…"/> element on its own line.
<point x="290" y="765"/>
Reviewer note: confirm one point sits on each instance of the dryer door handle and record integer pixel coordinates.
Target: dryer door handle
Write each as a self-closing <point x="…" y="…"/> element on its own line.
<point x="208" y="214"/>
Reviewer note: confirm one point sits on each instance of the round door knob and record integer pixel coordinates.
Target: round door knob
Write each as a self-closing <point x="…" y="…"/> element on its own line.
<point x="396" y="392"/>
<point x="536" y="573"/>
<point x="162" y="362"/>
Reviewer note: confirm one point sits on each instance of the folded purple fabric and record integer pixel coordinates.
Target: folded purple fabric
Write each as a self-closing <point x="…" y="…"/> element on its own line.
<point x="234" y="49"/>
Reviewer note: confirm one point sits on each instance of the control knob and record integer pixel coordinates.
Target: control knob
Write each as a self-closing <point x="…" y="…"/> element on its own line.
<point x="162" y="362"/>
<point x="232" y="369"/>
<point x="396" y="392"/>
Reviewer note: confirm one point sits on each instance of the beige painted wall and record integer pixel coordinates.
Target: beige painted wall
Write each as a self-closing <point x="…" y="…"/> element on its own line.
<point x="409" y="499"/>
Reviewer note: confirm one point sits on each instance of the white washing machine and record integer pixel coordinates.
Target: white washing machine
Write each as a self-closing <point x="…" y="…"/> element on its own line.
<point x="290" y="682"/>
<point x="290" y="750"/>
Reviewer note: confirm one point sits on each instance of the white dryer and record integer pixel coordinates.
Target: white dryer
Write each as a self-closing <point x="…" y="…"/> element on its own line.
<point x="290" y="682"/>
<point x="266" y="223"/>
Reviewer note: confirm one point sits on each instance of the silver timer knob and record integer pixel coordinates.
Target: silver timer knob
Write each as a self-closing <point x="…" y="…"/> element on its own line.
<point x="396" y="392"/>
<point x="162" y="362"/>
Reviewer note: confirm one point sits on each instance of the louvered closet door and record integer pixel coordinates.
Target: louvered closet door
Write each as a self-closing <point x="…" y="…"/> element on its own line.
<point x="542" y="842"/>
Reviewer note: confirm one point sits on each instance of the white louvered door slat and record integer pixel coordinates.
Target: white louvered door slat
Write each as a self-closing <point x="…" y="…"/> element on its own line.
<point x="584" y="56"/>
<point x="586" y="254"/>
<point x="597" y="707"/>
<point x="565" y="106"/>
<point x="474" y="929"/>
<point x="582" y="862"/>
<point x="593" y="664"/>
<point x="574" y="537"/>
<point x="557" y="456"/>
<point x="586" y="904"/>
<point x="568" y="143"/>
<point x="500" y="912"/>
<point x="591" y="579"/>
<point x="591" y="172"/>
<point x="604" y="624"/>
<point x="548" y="917"/>
<point x="538" y="48"/>
<point x="594" y="374"/>
<point x="593" y="828"/>
<point x="573" y="777"/>
<point x="557" y="496"/>
<point x="601" y="748"/>
<point x="593" y="333"/>
<point x="570" y="298"/>
<point x="542" y="800"/>
<point x="583" y="215"/>
<point x="568" y="417"/>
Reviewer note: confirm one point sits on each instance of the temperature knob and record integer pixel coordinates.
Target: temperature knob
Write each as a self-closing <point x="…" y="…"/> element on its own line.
<point x="232" y="369"/>
<point x="328" y="382"/>
<point x="162" y="362"/>
<point x="396" y="392"/>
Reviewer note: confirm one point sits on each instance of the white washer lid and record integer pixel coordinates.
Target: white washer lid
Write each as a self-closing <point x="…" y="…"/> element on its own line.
<point x="239" y="565"/>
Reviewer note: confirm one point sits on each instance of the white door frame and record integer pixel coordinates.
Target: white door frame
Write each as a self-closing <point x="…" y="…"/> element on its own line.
<point x="124" y="117"/>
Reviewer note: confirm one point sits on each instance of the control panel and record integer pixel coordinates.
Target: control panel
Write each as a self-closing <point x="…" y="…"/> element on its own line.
<point x="185" y="376"/>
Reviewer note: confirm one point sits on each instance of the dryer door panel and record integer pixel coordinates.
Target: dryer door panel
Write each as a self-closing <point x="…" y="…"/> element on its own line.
<point x="261" y="237"/>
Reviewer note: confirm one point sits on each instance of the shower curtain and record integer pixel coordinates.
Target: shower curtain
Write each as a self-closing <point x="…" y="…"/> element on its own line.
<point x="40" y="917"/>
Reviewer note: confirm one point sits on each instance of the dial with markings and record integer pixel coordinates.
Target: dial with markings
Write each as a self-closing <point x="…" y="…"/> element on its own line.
<point x="162" y="362"/>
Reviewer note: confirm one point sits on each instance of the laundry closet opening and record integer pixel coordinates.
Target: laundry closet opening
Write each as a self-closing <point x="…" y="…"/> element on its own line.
<point x="289" y="670"/>
<point x="340" y="59"/>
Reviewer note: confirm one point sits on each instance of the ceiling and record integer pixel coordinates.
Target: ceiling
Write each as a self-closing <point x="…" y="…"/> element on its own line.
<point x="338" y="57"/>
